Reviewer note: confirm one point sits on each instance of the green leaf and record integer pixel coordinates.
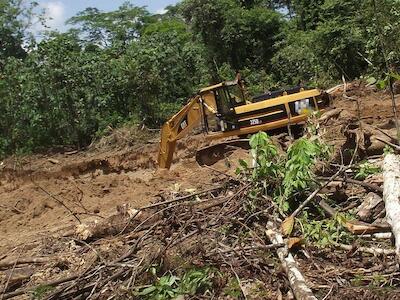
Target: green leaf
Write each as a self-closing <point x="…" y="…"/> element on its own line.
<point x="371" y="80"/>
<point x="243" y="163"/>
<point x="382" y="84"/>
<point x="394" y="75"/>
<point x="147" y="290"/>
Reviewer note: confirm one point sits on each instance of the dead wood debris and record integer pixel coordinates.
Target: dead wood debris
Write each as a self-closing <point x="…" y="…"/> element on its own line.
<point x="212" y="227"/>
<point x="391" y="195"/>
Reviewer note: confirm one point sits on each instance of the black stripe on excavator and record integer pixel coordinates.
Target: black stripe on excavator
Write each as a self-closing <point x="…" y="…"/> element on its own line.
<point x="265" y="110"/>
<point x="263" y="119"/>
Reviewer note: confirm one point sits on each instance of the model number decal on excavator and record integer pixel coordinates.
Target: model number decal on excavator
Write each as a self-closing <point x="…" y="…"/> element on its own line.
<point x="183" y="124"/>
<point x="255" y="122"/>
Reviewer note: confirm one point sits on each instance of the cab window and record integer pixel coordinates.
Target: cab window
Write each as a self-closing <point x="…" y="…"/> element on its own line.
<point x="236" y="95"/>
<point x="223" y="101"/>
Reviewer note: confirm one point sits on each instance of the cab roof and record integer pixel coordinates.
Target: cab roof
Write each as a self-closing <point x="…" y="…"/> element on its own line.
<point x="219" y="85"/>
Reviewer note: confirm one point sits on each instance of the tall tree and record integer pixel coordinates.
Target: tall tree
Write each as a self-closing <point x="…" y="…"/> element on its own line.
<point x="307" y="13"/>
<point x="233" y="33"/>
<point x="111" y="28"/>
<point x="15" y="18"/>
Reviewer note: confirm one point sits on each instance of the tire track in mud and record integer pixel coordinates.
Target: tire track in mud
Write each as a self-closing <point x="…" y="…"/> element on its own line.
<point x="132" y="160"/>
<point x="118" y="163"/>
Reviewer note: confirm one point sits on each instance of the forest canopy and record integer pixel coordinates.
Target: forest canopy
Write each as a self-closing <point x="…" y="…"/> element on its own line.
<point x="130" y="65"/>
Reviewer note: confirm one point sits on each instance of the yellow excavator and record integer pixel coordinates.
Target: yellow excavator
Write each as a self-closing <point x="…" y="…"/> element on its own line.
<point x="223" y="111"/>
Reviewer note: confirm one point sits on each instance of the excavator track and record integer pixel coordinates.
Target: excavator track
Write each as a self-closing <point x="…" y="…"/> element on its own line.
<point x="212" y="154"/>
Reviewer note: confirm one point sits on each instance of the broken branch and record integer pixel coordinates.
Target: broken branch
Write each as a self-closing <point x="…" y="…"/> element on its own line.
<point x="296" y="280"/>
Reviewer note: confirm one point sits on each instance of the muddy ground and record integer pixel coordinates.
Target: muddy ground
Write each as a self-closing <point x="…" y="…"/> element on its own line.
<point x="43" y="196"/>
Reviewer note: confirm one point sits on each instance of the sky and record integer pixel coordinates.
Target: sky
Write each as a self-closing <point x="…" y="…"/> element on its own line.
<point x="58" y="11"/>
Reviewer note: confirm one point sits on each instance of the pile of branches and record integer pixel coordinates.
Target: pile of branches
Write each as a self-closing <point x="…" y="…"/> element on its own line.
<point x="215" y="228"/>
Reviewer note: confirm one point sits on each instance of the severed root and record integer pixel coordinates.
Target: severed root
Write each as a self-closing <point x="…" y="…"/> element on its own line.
<point x="333" y="113"/>
<point x="296" y="280"/>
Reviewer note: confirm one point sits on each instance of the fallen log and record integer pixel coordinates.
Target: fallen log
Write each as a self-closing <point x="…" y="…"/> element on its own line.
<point x="379" y="235"/>
<point x="378" y="138"/>
<point x="391" y="195"/>
<point x="370" y="208"/>
<point x="355" y="226"/>
<point x="394" y="146"/>
<point x="180" y="199"/>
<point x="50" y="283"/>
<point x="113" y="225"/>
<point x="29" y="260"/>
<point x="335" y="88"/>
<point x="296" y="280"/>
<point x="370" y="250"/>
<point x="358" y="227"/>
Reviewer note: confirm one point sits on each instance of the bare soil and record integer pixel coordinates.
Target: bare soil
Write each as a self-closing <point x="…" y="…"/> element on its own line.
<point x="43" y="197"/>
<point x="91" y="184"/>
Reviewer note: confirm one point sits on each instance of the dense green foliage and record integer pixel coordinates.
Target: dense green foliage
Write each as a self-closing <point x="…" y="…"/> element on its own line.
<point x="131" y="66"/>
<point x="283" y="175"/>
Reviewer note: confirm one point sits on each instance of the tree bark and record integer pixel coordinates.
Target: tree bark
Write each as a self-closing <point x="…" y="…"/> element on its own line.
<point x="391" y="195"/>
<point x="296" y="280"/>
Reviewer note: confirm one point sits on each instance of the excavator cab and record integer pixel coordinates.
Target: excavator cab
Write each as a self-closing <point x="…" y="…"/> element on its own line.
<point x="228" y="96"/>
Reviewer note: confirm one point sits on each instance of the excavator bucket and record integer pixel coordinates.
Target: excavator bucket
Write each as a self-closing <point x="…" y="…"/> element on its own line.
<point x="212" y="154"/>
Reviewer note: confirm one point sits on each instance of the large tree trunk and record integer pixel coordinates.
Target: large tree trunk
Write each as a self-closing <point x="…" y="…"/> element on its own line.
<point x="391" y="195"/>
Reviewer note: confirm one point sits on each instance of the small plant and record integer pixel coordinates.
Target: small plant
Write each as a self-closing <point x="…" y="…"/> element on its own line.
<point x="265" y="155"/>
<point x="388" y="150"/>
<point x="325" y="232"/>
<point x="196" y="280"/>
<point x="166" y="287"/>
<point x="232" y="289"/>
<point x="41" y="291"/>
<point x="373" y="281"/>
<point x="170" y="286"/>
<point x="302" y="156"/>
<point x="365" y="169"/>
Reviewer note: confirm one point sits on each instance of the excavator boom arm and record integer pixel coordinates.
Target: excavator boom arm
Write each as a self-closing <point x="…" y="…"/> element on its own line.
<point x="177" y="127"/>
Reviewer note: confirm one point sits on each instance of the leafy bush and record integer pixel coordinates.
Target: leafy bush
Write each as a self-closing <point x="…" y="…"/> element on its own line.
<point x="283" y="175"/>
